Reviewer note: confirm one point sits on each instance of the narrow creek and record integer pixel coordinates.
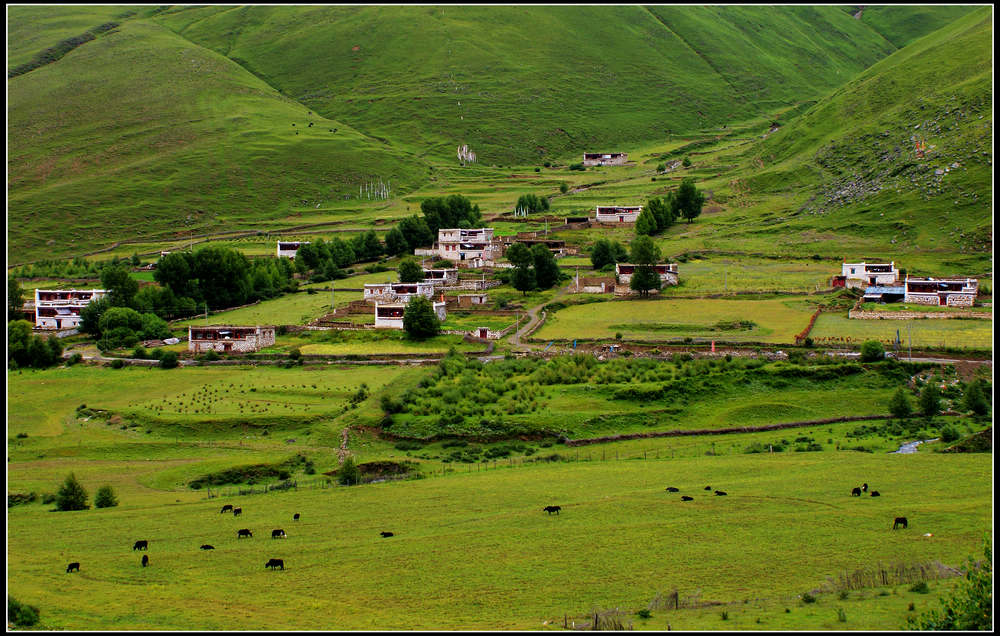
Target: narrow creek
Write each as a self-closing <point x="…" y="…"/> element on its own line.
<point x="911" y="447"/>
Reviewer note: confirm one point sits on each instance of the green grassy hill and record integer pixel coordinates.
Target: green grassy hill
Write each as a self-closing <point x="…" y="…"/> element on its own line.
<point x="854" y="153"/>
<point x="181" y="120"/>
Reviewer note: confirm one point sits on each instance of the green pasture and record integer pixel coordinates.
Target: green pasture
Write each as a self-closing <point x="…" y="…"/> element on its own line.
<point x="291" y="309"/>
<point x="929" y="332"/>
<point x="776" y="320"/>
<point x="779" y="533"/>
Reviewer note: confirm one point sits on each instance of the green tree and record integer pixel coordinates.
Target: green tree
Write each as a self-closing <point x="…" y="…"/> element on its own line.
<point x="546" y="270"/>
<point x="520" y="255"/>
<point x="409" y="271"/>
<point x="168" y="360"/>
<point x="975" y="398"/>
<point x="661" y="211"/>
<point x="153" y="327"/>
<point x="646" y="223"/>
<point x="15" y="298"/>
<point x="105" y="497"/>
<point x="91" y="314"/>
<point x="970" y="607"/>
<point x="644" y="279"/>
<point x="419" y="318"/>
<point x="645" y="251"/>
<point x="18" y="343"/>
<point x="689" y="200"/>
<point x="71" y="495"/>
<point x="21" y="614"/>
<point x="899" y="405"/>
<point x="601" y="254"/>
<point x="872" y="351"/>
<point x="348" y="474"/>
<point x="416" y="232"/>
<point x="687" y="162"/>
<point x="121" y="317"/>
<point x="135" y="260"/>
<point x="175" y="272"/>
<point x="563" y="187"/>
<point x="523" y="279"/>
<point x="121" y="287"/>
<point x="930" y="400"/>
<point x="645" y="254"/>
<point x="395" y="242"/>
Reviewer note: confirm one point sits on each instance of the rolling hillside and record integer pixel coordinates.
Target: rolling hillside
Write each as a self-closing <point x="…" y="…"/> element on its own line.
<point x="190" y="120"/>
<point x="855" y="152"/>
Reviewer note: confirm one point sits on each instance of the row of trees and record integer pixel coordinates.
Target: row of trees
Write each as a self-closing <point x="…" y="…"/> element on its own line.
<point x="531" y="203"/>
<point x="534" y="267"/>
<point x="975" y="400"/>
<point x="660" y="214"/>
<point x="325" y="260"/>
<point x="605" y="252"/>
<point x="25" y="349"/>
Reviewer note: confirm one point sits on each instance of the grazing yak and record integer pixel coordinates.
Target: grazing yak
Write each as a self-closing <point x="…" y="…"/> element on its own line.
<point x="856" y="492"/>
<point x="275" y="563"/>
<point x="875" y="493"/>
<point x="207" y="547"/>
<point x="295" y="517"/>
<point x="899" y="521"/>
<point x="864" y="487"/>
<point x="237" y="512"/>
<point x="145" y="560"/>
<point x="72" y="566"/>
<point x="226" y="508"/>
<point x="672" y="489"/>
<point x="386" y="534"/>
<point x="551" y="509"/>
<point x="708" y="487"/>
<point x="140" y="545"/>
<point x="686" y="498"/>
<point x="720" y="493"/>
<point x="277" y="534"/>
<point x="243" y="533"/>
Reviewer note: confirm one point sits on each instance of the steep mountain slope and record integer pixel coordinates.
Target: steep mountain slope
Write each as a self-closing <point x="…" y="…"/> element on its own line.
<point x="523" y="83"/>
<point x="141" y="133"/>
<point x="857" y="153"/>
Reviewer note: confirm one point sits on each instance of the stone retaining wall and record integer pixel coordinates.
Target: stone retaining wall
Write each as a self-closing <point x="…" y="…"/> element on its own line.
<point x="859" y="314"/>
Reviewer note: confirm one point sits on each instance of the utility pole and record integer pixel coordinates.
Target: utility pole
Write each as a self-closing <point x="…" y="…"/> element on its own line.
<point x="333" y="307"/>
<point x="910" y="339"/>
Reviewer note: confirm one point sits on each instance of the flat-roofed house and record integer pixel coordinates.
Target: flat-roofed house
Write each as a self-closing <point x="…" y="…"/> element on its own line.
<point x="470" y="300"/>
<point x="605" y="158"/>
<point x="289" y="248"/>
<point x="475" y="244"/>
<point x="229" y="338"/>
<point x="60" y="308"/>
<point x="390" y="315"/>
<point x="862" y="275"/>
<point x="397" y="292"/>
<point x="446" y="277"/>
<point x="667" y="272"/>
<point x="953" y="292"/>
<point x="617" y="213"/>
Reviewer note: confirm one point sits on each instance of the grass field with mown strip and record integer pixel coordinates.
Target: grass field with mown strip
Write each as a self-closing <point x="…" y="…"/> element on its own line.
<point x="777" y="320"/>
<point x="291" y="309"/>
<point x="930" y="332"/>
<point x="780" y="532"/>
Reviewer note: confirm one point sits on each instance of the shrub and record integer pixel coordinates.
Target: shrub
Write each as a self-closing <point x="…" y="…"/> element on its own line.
<point x="168" y="360"/>
<point x="71" y="495"/>
<point x="949" y="433"/>
<point x="117" y="363"/>
<point x="348" y="475"/>
<point x="644" y="613"/>
<point x="563" y="188"/>
<point x="872" y="351"/>
<point x="105" y="498"/>
<point x="76" y="358"/>
<point x="841" y="615"/>
<point x="808" y="598"/>
<point x="20" y="614"/>
<point x="899" y="405"/>
<point x="920" y="588"/>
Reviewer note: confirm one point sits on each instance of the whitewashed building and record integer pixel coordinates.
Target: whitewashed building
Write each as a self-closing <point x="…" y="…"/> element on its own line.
<point x="458" y="244"/>
<point x="617" y="213"/>
<point x="390" y="315"/>
<point x="397" y="292"/>
<point x="953" y="292"/>
<point x="863" y="275"/>
<point x="445" y="277"/>
<point x="605" y="159"/>
<point x="289" y="248"/>
<point x="60" y="308"/>
<point x="667" y="271"/>
<point x="226" y="338"/>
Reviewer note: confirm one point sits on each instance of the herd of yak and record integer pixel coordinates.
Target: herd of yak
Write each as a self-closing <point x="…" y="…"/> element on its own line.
<point x="279" y="533"/>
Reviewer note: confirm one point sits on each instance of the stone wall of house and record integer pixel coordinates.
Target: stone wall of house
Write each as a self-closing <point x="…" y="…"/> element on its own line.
<point x="923" y="299"/>
<point x="857" y="314"/>
<point x="961" y="300"/>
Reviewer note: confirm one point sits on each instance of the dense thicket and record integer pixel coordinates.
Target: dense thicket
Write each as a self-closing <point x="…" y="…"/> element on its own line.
<point x="449" y="212"/>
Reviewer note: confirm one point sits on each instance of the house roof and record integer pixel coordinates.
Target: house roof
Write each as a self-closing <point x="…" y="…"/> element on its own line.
<point x="878" y="289"/>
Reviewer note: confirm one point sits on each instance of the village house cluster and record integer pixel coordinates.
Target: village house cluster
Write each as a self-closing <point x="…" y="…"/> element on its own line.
<point x="882" y="284"/>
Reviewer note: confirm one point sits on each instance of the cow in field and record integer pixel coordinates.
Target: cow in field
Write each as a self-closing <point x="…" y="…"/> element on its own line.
<point x="295" y="517"/>
<point x="275" y="563"/>
<point x="145" y="560"/>
<point x="237" y="512"/>
<point x="875" y="493"/>
<point x="243" y="533"/>
<point x="140" y="545"/>
<point x="386" y="535"/>
<point x="686" y="498"/>
<point x="899" y="521"/>
<point x="278" y="534"/>
<point x="226" y="508"/>
<point x="856" y="492"/>
<point x="551" y="509"/>
<point x="672" y="489"/>
<point x="72" y="566"/>
<point x="719" y="493"/>
<point x="207" y="547"/>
